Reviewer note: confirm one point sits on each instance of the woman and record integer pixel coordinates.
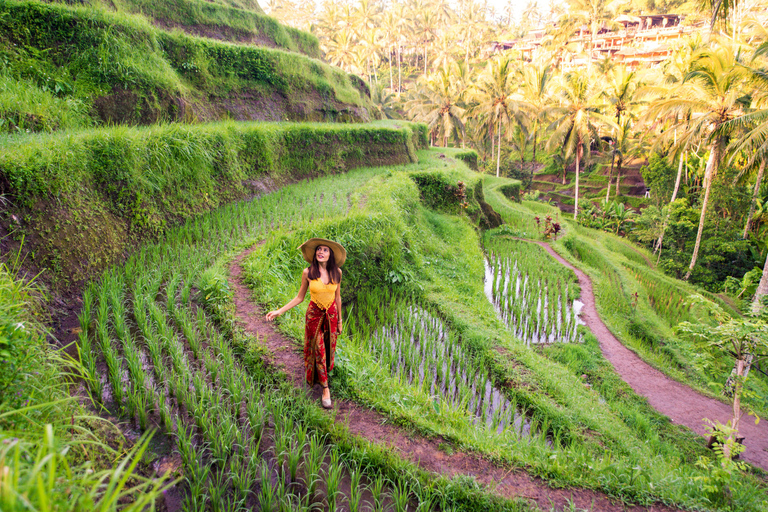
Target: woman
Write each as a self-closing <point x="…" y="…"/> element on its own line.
<point x="323" y="319"/>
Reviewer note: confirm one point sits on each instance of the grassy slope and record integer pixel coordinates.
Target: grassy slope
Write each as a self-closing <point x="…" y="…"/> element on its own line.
<point x="124" y="70"/>
<point x="85" y="198"/>
<point x="610" y="439"/>
<point x="243" y="24"/>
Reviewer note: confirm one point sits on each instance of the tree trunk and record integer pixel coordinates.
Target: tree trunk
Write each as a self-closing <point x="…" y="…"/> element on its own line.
<point x="610" y="173"/>
<point x="425" y="59"/>
<point x="565" y="170"/>
<point x="740" y="364"/>
<point x="679" y="176"/>
<point x="754" y="197"/>
<point x="618" y="175"/>
<point x="391" y="80"/>
<point x="493" y="140"/>
<point x="576" y="194"/>
<point x="399" y="71"/>
<point x="709" y="175"/>
<point x="498" y="158"/>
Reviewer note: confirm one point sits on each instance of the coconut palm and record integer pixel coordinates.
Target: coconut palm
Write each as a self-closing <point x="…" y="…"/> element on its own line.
<point x="577" y="119"/>
<point x="711" y="95"/>
<point x="436" y="102"/>
<point x="342" y="51"/>
<point x="623" y="85"/>
<point x="493" y="100"/>
<point x="537" y="81"/>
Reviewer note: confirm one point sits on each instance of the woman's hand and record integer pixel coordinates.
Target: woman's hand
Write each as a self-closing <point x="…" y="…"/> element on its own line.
<point x="338" y="327"/>
<point x="272" y="315"/>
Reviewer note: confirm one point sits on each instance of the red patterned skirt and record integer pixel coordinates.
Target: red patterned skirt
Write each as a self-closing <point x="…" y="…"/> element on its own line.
<point x="319" y="342"/>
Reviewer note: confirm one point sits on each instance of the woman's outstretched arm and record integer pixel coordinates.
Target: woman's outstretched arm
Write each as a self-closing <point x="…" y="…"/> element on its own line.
<point x="298" y="299"/>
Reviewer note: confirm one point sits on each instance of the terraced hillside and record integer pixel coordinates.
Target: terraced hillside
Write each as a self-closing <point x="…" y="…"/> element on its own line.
<point x="470" y="374"/>
<point x="66" y="66"/>
<point x="593" y="185"/>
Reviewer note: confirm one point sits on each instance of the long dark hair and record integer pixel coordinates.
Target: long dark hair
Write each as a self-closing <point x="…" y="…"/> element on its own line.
<point x="333" y="270"/>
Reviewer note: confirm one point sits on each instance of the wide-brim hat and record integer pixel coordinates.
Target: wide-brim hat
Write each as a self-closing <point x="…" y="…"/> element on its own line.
<point x="308" y="249"/>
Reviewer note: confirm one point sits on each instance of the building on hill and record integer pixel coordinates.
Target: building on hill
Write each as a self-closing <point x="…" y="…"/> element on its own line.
<point x="642" y="41"/>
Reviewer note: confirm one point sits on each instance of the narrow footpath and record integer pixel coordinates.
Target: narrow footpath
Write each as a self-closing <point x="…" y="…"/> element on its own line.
<point x="680" y="403"/>
<point x="508" y="482"/>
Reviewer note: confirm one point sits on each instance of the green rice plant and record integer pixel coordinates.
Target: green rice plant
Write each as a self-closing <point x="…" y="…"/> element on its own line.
<point x="217" y="490"/>
<point x="171" y="291"/>
<point x="88" y="362"/>
<point x="145" y="404"/>
<point x="314" y="456"/>
<point x="257" y="417"/>
<point x="377" y="492"/>
<point x="297" y="445"/>
<point x="401" y="495"/>
<point x="240" y="477"/>
<point x="268" y="497"/>
<point x="356" y="488"/>
<point x="333" y="475"/>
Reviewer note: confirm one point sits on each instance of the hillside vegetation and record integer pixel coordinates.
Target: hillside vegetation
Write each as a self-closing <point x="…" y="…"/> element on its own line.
<point x="69" y="66"/>
<point x="81" y="201"/>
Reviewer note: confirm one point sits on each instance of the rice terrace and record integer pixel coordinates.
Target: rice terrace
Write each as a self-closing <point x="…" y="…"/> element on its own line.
<point x="383" y="255"/>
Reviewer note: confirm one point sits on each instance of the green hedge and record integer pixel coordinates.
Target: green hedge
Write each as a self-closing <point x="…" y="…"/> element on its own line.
<point x="87" y="199"/>
<point x="468" y="157"/>
<point x="512" y="191"/>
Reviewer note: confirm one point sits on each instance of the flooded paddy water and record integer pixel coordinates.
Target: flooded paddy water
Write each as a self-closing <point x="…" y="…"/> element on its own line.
<point x="534" y="296"/>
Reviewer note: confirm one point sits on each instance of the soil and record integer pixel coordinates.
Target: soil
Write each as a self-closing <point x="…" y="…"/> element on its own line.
<point x="680" y="403"/>
<point x="428" y="453"/>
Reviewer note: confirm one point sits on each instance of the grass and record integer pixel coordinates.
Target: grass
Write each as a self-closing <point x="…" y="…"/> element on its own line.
<point x="131" y="71"/>
<point x="52" y="454"/>
<point x="238" y="24"/>
<point x="86" y="197"/>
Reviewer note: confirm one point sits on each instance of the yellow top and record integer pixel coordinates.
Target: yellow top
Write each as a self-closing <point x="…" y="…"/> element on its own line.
<point x="322" y="294"/>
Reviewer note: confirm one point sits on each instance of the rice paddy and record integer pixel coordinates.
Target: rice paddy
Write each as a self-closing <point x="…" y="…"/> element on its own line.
<point x="152" y="353"/>
<point x="416" y="346"/>
<point x="156" y="351"/>
<point x="536" y="297"/>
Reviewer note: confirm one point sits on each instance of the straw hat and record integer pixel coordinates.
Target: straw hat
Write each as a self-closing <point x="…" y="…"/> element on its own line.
<point x="308" y="249"/>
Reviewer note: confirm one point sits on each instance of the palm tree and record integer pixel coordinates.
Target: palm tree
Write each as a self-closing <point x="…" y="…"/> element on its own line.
<point x="624" y="146"/>
<point x="711" y="94"/>
<point x="622" y="86"/>
<point x="537" y="79"/>
<point x="471" y="25"/>
<point x="577" y="119"/>
<point x="493" y="98"/>
<point x="435" y="102"/>
<point x="342" y="51"/>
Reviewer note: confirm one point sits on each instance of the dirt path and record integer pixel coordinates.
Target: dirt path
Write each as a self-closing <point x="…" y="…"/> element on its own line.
<point x="682" y="404"/>
<point x="505" y="481"/>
